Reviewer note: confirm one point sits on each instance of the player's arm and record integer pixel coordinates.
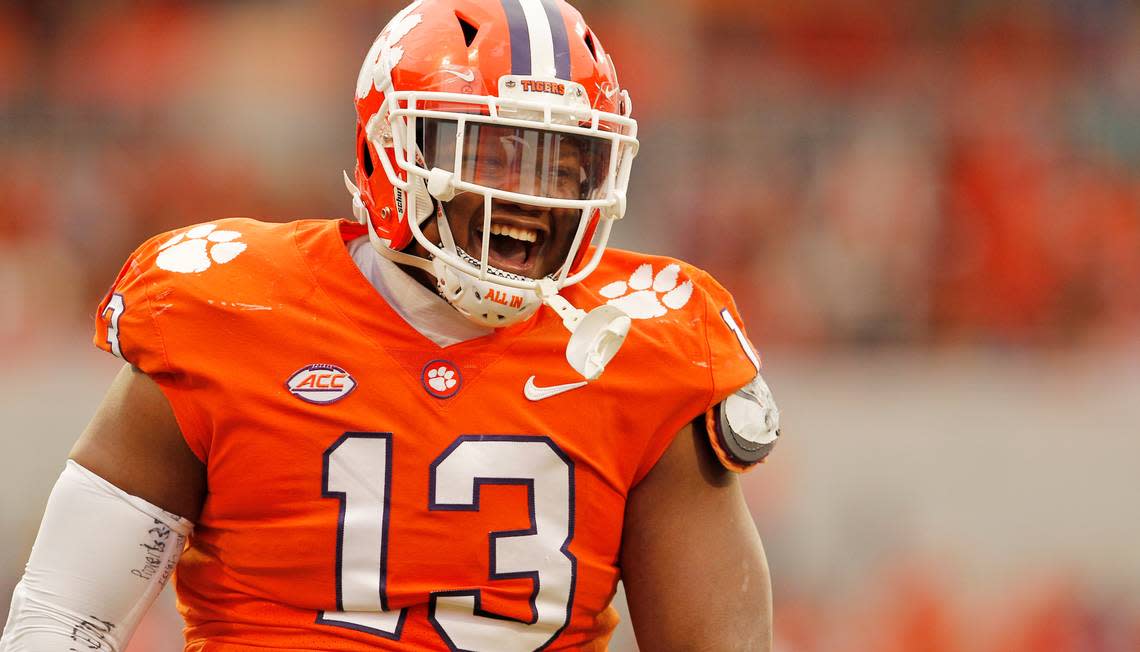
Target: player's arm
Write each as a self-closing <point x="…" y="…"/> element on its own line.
<point x="134" y="443"/>
<point x="113" y="529"/>
<point x="692" y="562"/>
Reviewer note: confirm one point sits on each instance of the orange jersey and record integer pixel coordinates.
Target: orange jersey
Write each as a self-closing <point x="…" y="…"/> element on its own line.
<point x="368" y="489"/>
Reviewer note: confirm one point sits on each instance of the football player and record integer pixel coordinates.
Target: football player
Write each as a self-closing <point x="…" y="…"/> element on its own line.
<point x="450" y="423"/>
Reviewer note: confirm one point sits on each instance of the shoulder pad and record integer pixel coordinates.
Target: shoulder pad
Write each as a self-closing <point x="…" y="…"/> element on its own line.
<point x="745" y="426"/>
<point x="179" y="275"/>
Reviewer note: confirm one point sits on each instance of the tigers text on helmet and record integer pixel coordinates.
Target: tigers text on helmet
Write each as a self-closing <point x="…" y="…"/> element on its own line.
<point x="515" y="102"/>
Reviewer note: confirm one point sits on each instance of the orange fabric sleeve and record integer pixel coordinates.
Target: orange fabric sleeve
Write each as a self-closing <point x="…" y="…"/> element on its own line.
<point x="126" y="327"/>
<point x="734" y="361"/>
<point x="725" y="364"/>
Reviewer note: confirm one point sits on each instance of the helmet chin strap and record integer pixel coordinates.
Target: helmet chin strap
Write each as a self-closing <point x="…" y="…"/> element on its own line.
<point x="595" y="337"/>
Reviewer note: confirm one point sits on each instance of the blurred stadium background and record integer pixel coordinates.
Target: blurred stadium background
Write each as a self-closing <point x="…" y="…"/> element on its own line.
<point x="929" y="213"/>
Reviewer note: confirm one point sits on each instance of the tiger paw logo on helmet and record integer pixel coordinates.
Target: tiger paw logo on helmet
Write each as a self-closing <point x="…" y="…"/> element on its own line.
<point x="647" y="296"/>
<point x="196" y="250"/>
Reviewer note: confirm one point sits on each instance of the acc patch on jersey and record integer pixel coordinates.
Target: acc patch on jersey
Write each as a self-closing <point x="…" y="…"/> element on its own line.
<point x="745" y="426"/>
<point x="321" y="383"/>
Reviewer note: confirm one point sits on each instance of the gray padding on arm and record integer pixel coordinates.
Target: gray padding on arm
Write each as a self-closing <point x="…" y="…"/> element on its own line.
<point x="748" y="423"/>
<point x="100" y="559"/>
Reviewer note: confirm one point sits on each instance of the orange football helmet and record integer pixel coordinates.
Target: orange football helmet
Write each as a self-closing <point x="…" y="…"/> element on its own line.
<point x="529" y="71"/>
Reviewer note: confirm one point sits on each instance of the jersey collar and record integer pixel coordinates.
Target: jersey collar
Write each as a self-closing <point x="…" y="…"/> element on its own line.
<point x="425" y="311"/>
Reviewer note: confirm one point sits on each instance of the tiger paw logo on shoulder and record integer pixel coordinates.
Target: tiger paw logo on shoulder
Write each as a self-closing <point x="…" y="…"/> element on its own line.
<point x="197" y="249"/>
<point x="647" y="295"/>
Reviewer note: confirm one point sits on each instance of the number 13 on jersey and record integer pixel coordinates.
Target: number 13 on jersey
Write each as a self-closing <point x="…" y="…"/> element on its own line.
<point x="358" y="473"/>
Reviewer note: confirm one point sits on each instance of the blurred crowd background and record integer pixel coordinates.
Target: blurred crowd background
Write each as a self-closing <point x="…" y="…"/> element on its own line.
<point x="929" y="213"/>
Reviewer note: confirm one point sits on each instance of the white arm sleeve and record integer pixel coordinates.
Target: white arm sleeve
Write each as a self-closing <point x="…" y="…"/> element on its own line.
<point x="100" y="559"/>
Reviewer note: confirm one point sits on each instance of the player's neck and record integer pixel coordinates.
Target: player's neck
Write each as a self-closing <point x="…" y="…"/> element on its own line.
<point x="416" y="302"/>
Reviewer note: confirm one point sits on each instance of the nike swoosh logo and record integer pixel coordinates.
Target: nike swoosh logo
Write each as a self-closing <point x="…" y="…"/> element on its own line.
<point x="468" y="76"/>
<point x="536" y="393"/>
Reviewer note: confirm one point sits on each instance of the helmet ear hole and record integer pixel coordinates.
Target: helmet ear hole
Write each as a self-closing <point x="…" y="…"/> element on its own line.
<point x="469" y="30"/>
<point x="590" y="44"/>
<point x="366" y="158"/>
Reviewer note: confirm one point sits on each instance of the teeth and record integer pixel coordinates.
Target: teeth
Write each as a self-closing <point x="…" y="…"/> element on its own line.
<point x="518" y="233"/>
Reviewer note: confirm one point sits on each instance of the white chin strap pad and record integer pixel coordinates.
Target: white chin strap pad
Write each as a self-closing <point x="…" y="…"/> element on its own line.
<point x="484" y="302"/>
<point x="100" y="559"/>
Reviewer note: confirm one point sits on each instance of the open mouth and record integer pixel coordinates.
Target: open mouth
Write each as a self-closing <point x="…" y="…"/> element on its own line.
<point x="513" y="248"/>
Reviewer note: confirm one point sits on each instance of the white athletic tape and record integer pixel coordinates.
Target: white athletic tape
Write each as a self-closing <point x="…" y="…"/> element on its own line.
<point x="100" y="559"/>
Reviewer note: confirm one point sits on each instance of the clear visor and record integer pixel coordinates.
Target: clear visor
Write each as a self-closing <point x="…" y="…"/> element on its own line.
<point x="536" y="162"/>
